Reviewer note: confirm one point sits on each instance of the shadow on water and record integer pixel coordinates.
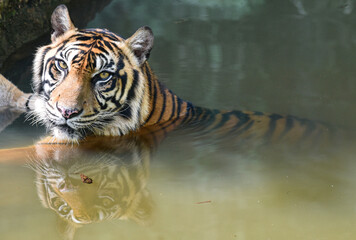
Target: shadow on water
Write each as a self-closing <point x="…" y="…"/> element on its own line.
<point x="292" y="57"/>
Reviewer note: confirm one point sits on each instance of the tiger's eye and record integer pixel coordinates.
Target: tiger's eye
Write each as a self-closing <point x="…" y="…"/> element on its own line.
<point x="104" y="75"/>
<point x="106" y="202"/>
<point x="61" y="64"/>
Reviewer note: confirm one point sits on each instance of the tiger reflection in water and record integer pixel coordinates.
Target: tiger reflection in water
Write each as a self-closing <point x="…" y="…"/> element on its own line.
<point x="119" y="169"/>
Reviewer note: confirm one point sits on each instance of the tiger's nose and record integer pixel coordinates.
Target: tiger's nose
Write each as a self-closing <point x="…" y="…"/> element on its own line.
<point x="68" y="112"/>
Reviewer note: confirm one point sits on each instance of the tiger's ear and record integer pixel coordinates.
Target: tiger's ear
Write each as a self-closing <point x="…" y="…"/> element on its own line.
<point x="141" y="43"/>
<point x="61" y="22"/>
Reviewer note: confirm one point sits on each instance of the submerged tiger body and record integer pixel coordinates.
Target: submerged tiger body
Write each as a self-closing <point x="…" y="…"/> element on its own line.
<point x="93" y="82"/>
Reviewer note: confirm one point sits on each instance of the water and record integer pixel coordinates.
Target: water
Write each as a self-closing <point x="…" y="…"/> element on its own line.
<point x="293" y="57"/>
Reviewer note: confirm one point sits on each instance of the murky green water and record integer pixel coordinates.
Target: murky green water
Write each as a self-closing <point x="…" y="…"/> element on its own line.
<point x="293" y="57"/>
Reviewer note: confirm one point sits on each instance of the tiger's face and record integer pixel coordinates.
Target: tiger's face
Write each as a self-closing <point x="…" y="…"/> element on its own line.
<point x="90" y="81"/>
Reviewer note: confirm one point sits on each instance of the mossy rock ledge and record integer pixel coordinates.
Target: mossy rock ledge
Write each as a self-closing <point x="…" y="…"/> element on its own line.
<point x="23" y="21"/>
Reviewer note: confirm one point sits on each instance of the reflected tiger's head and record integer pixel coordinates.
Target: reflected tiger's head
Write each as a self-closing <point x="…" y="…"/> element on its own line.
<point x="91" y="81"/>
<point x="119" y="173"/>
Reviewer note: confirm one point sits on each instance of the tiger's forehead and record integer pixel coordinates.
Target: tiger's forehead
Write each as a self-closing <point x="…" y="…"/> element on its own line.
<point x="96" y="34"/>
<point x="92" y="49"/>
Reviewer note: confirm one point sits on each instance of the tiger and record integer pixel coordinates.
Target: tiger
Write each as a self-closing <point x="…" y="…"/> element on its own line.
<point x="92" y="82"/>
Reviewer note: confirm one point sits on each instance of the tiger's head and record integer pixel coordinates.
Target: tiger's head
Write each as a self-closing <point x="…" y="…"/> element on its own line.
<point x="90" y="81"/>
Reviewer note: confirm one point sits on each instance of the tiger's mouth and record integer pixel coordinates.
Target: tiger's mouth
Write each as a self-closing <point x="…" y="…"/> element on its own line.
<point x="78" y="129"/>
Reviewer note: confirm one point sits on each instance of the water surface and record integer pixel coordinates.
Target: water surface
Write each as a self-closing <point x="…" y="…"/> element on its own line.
<point x="288" y="57"/>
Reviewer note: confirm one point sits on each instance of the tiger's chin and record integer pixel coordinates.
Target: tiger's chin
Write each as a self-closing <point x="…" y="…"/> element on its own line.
<point x="65" y="132"/>
<point x="68" y="133"/>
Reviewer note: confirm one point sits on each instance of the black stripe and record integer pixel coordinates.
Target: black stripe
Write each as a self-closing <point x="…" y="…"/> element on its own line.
<point x="190" y="106"/>
<point x="107" y="120"/>
<point x="78" y="58"/>
<point x="173" y="106"/>
<point x="132" y="93"/>
<point x="112" y="36"/>
<point x="205" y="114"/>
<point x="163" y="92"/>
<point x="198" y="113"/>
<point x="288" y="126"/>
<point x="243" y="119"/>
<point x="40" y="88"/>
<point x="108" y="45"/>
<point x="63" y="45"/>
<point x="120" y="65"/>
<point x="102" y="106"/>
<point x="116" y="102"/>
<point x="101" y="49"/>
<point x="94" y="32"/>
<point x="190" y="113"/>
<point x="84" y="38"/>
<point x="272" y="125"/>
<point x="28" y="102"/>
<point x="126" y="112"/>
<point x="46" y="95"/>
<point x="87" y="45"/>
<point x="108" y="65"/>
<point x="91" y="60"/>
<point x="50" y="106"/>
<point x="48" y="82"/>
<point x="54" y="115"/>
<point x="208" y="118"/>
<point x="86" y="121"/>
<point x="51" y="72"/>
<point x="123" y="85"/>
<point x="90" y="115"/>
<point x="224" y="119"/>
<point x="67" y="52"/>
<point x="154" y="97"/>
<point x="149" y="80"/>
<point x="179" y="107"/>
<point x="245" y="128"/>
<point x="61" y="54"/>
<point x="104" y="58"/>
